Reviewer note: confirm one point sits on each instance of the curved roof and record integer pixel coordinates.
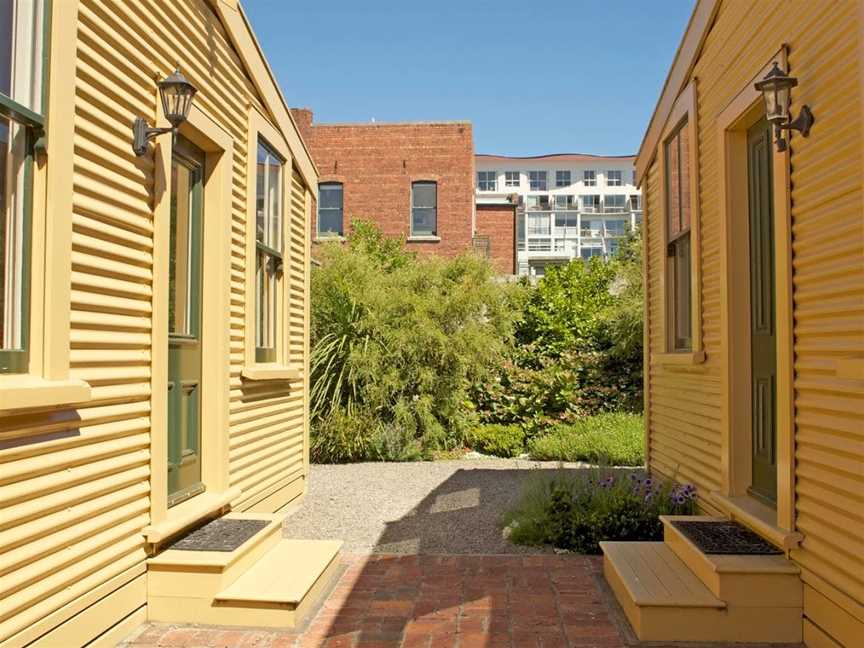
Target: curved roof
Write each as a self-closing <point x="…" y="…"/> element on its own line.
<point x="557" y="157"/>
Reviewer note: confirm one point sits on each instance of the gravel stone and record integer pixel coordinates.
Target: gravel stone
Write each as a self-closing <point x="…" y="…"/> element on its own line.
<point x="440" y="507"/>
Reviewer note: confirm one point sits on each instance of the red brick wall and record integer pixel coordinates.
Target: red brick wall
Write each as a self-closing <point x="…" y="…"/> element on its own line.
<point x="498" y="222"/>
<point x="376" y="164"/>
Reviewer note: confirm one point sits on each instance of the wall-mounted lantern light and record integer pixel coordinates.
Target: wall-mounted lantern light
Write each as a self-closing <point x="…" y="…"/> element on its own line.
<point x="176" y="93"/>
<point x="776" y="88"/>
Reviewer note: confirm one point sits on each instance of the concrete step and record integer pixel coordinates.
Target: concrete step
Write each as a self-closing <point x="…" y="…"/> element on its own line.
<point x="175" y="572"/>
<point x="665" y="601"/>
<point x="736" y="579"/>
<point x="276" y="591"/>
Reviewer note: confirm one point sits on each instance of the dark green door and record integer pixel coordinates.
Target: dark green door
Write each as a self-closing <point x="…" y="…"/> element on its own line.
<point x="763" y="354"/>
<point x="184" y="324"/>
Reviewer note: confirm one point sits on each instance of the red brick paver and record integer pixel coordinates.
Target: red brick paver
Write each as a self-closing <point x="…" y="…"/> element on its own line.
<point x="471" y="601"/>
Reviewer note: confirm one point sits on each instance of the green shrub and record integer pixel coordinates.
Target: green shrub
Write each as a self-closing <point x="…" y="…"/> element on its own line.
<point x="396" y="341"/>
<point x="498" y="440"/>
<point x="577" y="512"/>
<point x="615" y="439"/>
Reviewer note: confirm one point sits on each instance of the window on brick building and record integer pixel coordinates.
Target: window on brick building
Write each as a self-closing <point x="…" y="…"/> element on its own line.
<point x="562" y="179"/>
<point x="330" y="209"/>
<point x="424" y="208"/>
<point x="511" y="179"/>
<point x="486" y="181"/>
<point x="537" y="180"/>
<point x="613" y="178"/>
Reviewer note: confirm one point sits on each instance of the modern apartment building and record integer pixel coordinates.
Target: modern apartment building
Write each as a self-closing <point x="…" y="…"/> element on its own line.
<point x="570" y="205"/>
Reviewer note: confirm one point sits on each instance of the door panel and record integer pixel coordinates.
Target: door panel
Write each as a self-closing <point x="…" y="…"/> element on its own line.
<point x="762" y="313"/>
<point x="184" y="324"/>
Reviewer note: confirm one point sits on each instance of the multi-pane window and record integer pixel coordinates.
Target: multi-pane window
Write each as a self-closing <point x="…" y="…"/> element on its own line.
<point x="565" y="202"/>
<point x="20" y="118"/>
<point x="590" y="252"/>
<point x="616" y="227"/>
<point x="512" y="179"/>
<point x="268" y="242"/>
<point x="635" y="202"/>
<point x="486" y="181"/>
<point x="613" y="178"/>
<point x="591" y="228"/>
<point x="614" y="203"/>
<point x="591" y="203"/>
<point x="612" y="246"/>
<point x="539" y="225"/>
<point x="424" y="208"/>
<point x="677" y="187"/>
<point x="562" y="179"/>
<point x="566" y="220"/>
<point x="330" y="222"/>
<point x="537" y="203"/>
<point x="589" y="178"/>
<point x="537" y="180"/>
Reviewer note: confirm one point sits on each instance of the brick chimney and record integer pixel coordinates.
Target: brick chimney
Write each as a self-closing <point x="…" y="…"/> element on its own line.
<point x="303" y="117"/>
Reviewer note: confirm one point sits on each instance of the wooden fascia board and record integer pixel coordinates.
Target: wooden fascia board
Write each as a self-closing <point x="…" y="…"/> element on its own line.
<point x="678" y="77"/>
<point x="239" y="30"/>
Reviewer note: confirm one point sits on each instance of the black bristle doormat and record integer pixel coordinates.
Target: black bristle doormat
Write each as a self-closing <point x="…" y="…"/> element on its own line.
<point x="724" y="538"/>
<point x="219" y="535"/>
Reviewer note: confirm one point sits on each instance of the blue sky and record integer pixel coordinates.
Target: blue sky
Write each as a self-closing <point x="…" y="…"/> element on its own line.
<point x="533" y="78"/>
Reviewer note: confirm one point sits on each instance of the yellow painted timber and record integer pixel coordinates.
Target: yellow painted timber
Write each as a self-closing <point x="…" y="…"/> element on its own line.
<point x="664" y="601"/>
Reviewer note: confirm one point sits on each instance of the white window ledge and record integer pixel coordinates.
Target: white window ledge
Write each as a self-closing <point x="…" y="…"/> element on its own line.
<point x="25" y="391"/>
<point x="271" y="372"/>
<point x="424" y="239"/>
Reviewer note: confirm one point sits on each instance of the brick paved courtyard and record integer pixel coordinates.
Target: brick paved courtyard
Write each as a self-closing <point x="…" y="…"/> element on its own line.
<point x="468" y="601"/>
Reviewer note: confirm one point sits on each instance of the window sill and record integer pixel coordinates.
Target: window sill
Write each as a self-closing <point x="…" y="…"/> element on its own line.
<point x="687" y="358"/>
<point x="328" y="239"/>
<point x="188" y="513"/>
<point x="758" y="517"/>
<point x="25" y="391"/>
<point x="270" y="372"/>
<point x="424" y="239"/>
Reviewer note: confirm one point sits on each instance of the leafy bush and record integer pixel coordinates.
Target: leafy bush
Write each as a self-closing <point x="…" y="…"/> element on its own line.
<point x="578" y="512"/>
<point x="396" y="340"/>
<point x="611" y="439"/>
<point x="498" y="440"/>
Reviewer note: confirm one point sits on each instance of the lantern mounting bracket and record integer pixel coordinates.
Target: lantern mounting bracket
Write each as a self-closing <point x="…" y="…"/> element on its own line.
<point x="142" y="133"/>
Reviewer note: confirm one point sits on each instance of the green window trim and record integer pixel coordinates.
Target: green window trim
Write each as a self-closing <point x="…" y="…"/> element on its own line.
<point x="14" y="361"/>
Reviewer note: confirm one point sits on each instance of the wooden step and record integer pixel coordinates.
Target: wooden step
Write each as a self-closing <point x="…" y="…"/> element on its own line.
<point x="275" y="591"/>
<point x="175" y="572"/>
<point x="665" y="601"/>
<point x="736" y="579"/>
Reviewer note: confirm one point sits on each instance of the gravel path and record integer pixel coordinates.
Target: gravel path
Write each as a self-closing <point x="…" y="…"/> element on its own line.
<point x="441" y="507"/>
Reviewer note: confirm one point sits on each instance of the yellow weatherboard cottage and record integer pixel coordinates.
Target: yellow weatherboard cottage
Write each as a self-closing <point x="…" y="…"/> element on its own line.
<point x="754" y="364"/>
<point x="154" y="321"/>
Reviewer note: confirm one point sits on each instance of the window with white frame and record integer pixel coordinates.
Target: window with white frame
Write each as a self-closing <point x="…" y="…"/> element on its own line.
<point x="614" y="203"/>
<point x="588" y="253"/>
<point x="616" y="227"/>
<point x="635" y="202"/>
<point x="512" y="179"/>
<point x="612" y="247"/>
<point x="537" y="180"/>
<point x="269" y="252"/>
<point x="589" y="178"/>
<point x="565" y="201"/>
<point x="539" y="225"/>
<point x="21" y="117"/>
<point x="613" y="178"/>
<point x="330" y="212"/>
<point x="591" y="203"/>
<point x="487" y="181"/>
<point x="535" y="203"/>
<point x="562" y="179"/>
<point x="424" y="208"/>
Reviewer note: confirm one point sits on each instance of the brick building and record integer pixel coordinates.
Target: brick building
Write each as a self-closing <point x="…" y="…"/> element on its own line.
<point x="495" y="232"/>
<point x="411" y="179"/>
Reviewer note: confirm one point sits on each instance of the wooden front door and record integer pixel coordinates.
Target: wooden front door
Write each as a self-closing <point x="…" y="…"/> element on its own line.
<point x="763" y="342"/>
<point x="184" y="324"/>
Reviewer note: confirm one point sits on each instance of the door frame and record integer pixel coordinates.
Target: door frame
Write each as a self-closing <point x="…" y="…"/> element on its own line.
<point x="745" y="109"/>
<point x="218" y="148"/>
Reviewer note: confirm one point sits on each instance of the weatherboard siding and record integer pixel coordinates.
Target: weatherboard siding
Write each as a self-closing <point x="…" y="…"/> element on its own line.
<point x="75" y="483"/>
<point x="684" y="404"/>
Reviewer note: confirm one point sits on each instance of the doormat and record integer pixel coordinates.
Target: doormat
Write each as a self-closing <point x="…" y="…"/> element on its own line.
<point x="219" y="535"/>
<point x="725" y="538"/>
